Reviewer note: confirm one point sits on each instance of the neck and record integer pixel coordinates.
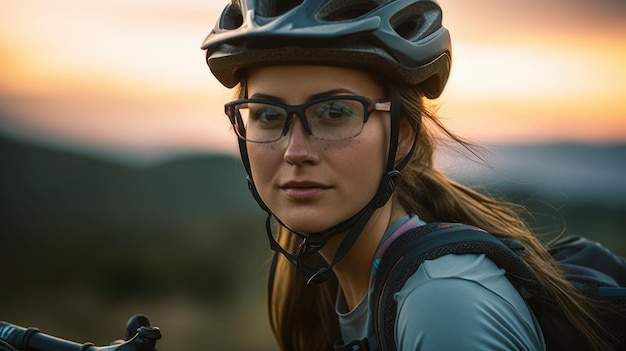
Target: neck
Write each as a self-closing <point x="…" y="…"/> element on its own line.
<point x="353" y="271"/>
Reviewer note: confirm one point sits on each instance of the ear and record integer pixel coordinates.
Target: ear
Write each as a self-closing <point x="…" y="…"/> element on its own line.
<point x="406" y="138"/>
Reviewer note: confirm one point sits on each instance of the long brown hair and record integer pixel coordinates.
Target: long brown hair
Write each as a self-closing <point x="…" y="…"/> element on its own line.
<point x="303" y="317"/>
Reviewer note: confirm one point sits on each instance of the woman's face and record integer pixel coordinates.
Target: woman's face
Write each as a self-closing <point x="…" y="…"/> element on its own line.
<point x="312" y="184"/>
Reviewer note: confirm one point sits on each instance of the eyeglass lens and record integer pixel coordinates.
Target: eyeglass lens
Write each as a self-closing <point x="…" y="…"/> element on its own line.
<point x="334" y="119"/>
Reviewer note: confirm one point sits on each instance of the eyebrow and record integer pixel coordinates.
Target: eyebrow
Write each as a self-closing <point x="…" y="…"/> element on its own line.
<point x="332" y="92"/>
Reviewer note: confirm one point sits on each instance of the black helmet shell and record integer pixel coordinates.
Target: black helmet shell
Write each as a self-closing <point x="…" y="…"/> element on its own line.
<point x="403" y="40"/>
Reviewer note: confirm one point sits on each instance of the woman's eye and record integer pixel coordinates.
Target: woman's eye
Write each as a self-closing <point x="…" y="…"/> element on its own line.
<point x="334" y="111"/>
<point x="268" y="115"/>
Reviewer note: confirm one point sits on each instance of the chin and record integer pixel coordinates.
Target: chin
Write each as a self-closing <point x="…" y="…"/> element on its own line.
<point x="313" y="218"/>
<point x="309" y="223"/>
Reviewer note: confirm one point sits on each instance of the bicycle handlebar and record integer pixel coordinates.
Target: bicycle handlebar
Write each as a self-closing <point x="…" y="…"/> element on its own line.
<point x="140" y="336"/>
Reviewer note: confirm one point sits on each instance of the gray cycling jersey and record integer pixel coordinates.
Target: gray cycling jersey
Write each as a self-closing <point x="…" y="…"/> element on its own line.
<point x="455" y="302"/>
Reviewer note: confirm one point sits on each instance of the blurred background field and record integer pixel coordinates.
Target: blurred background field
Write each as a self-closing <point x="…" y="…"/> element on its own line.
<point x="88" y="241"/>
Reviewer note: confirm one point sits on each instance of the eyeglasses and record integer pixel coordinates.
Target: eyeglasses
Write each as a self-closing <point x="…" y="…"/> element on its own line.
<point x="330" y="118"/>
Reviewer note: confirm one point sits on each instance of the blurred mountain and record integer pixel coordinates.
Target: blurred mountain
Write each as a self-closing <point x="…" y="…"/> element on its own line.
<point x="575" y="173"/>
<point x="64" y="184"/>
<point x="174" y="222"/>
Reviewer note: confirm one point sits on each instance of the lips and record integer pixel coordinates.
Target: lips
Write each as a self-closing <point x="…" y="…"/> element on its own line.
<point x="303" y="190"/>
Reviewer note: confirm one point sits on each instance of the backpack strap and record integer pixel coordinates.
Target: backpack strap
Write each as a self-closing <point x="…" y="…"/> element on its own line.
<point x="404" y="256"/>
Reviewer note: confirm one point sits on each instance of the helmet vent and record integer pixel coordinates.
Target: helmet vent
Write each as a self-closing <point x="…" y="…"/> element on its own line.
<point x="417" y="21"/>
<point x="231" y="17"/>
<point x="343" y="10"/>
<point x="275" y="8"/>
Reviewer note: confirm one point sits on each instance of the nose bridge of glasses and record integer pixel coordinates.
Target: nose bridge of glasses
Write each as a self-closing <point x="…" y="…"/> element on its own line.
<point x="297" y="114"/>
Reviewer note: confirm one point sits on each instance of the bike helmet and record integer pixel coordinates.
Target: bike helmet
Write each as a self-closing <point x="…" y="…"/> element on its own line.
<point x="403" y="40"/>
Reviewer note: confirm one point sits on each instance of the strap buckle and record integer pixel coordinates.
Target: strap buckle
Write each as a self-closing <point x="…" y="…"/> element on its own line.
<point x="354" y="345"/>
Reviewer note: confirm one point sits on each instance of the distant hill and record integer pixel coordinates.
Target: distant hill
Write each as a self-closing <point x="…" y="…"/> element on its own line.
<point x="575" y="173"/>
<point x="169" y="221"/>
<point x="39" y="181"/>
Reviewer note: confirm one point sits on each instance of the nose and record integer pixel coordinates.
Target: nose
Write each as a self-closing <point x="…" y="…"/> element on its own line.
<point x="299" y="147"/>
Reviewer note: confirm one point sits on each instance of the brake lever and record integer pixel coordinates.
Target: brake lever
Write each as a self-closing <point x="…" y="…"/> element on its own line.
<point x="30" y="339"/>
<point x="140" y="335"/>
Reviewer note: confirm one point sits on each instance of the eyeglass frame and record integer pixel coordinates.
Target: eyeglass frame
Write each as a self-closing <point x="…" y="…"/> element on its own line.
<point x="369" y="106"/>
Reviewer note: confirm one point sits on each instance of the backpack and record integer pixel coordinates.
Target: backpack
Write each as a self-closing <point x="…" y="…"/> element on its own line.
<point x="589" y="266"/>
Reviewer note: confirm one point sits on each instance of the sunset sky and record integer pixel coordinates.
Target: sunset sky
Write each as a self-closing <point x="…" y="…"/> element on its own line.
<point x="129" y="76"/>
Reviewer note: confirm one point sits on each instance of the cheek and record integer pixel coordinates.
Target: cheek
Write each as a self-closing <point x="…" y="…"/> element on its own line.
<point x="362" y="163"/>
<point x="375" y="145"/>
<point x="264" y="160"/>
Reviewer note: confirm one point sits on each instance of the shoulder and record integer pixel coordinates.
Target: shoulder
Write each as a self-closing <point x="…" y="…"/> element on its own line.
<point x="463" y="300"/>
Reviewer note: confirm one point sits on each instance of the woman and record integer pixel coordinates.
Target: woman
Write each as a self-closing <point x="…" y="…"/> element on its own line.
<point x="338" y="145"/>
